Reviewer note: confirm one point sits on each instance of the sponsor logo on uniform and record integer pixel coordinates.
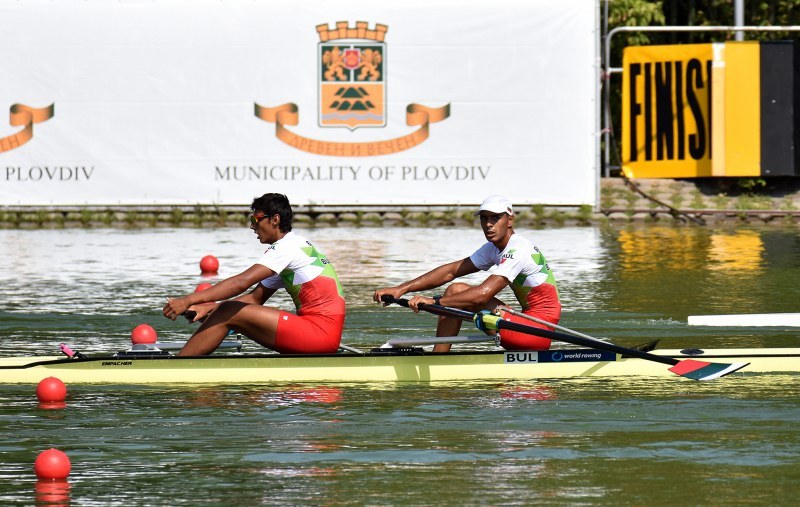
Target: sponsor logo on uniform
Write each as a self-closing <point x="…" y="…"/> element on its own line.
<point x="506" y="256"/>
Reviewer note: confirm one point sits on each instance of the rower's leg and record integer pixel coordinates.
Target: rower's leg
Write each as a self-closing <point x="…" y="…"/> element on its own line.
<point x="257" y="322"/>
<point x="448" y="326"/>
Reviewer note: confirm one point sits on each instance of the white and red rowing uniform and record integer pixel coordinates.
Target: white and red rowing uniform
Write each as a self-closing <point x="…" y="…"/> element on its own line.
<point x="311" y="281"/>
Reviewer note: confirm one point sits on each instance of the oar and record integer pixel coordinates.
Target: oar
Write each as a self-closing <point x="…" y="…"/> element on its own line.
<point x="689" y="368"/>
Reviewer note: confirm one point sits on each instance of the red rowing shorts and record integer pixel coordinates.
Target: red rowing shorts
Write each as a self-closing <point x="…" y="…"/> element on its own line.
<point x="308" y="334"/>
<point x="514" y="340"/>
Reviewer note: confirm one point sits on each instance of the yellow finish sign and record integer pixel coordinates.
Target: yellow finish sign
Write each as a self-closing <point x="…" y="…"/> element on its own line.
<point x="666" y="120"/>
<point x="693" y="110"/>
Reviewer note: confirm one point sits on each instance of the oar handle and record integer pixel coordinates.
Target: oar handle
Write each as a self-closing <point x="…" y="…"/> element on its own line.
<point x="387" y="299"/>
<point x="191" y="314"/>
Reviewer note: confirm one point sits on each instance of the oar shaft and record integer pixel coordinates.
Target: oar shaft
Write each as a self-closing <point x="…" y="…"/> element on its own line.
<point x="548" y="324"/>
<point x="446" y="311"/>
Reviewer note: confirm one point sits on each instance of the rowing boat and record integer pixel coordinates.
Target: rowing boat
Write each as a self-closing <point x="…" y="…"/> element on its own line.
<point x="408" y="364"/>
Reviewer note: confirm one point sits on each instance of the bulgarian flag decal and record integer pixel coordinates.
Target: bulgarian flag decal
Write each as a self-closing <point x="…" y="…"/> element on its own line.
<point x="701" y="370"/>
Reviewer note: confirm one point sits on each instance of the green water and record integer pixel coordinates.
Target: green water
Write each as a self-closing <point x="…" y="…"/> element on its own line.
<point x="565" y="442"/>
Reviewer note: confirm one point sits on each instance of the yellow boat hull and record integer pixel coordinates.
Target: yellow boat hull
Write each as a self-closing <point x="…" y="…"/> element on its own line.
<point x="373" y="367"/>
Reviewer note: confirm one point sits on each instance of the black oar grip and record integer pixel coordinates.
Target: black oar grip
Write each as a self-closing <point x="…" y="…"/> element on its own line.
<point x="191" y="315"/>
<point x="387" y="299"/>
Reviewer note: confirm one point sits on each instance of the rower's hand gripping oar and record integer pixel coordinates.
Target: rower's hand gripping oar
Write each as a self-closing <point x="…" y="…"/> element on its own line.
<point x="689" y="368"/>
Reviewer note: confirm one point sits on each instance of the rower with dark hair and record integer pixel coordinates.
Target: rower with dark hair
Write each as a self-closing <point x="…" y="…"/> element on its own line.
<point x="291" y="262"/>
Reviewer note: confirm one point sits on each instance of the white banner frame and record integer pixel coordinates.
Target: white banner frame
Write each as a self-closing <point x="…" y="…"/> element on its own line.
<point x="157" y="103"/>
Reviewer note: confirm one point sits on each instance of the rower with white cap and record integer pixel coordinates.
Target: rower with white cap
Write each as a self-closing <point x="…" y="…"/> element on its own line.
<point x="520" y="265"/>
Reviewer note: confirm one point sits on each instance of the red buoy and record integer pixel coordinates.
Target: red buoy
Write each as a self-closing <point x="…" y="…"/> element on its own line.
<point x="202" y="286"/>
<point x="209" y="265"/>
<point x="52" y="464"/>
<point x="143" y="333"/>
<point x="51" y="390"/>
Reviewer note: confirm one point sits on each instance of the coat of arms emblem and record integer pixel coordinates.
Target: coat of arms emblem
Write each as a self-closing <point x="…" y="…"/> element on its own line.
<point x="352" y="75"/>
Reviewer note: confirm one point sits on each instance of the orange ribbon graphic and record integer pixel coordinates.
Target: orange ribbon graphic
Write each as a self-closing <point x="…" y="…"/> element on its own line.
<point x="24" y="115"/>
<point x="416" y="114"/>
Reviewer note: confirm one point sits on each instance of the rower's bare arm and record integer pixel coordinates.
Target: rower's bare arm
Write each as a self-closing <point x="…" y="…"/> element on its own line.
<point x="479" y="296"/>
<point x="434" y="278"/>
<point x="233" y="286"/>
<point x="223" y="290"/>
<point x="258" y="296"/>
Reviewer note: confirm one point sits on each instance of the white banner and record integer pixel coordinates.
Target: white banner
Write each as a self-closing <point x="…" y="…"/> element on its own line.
<point x="330" y="102"/>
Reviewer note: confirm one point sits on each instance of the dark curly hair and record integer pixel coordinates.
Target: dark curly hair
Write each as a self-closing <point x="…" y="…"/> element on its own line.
<point x="275" y="204"/>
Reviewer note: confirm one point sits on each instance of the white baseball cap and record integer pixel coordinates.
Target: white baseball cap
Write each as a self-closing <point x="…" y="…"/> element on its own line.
<point x="496" y="204"/>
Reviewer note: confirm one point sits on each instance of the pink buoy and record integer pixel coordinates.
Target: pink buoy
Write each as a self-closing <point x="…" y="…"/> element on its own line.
<point x="202" y="286"/>
<point x="52" y="464"/>
<point x="143" y="333"/>
<point x="209" y="265"/>
<point x="51" y="390"/>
